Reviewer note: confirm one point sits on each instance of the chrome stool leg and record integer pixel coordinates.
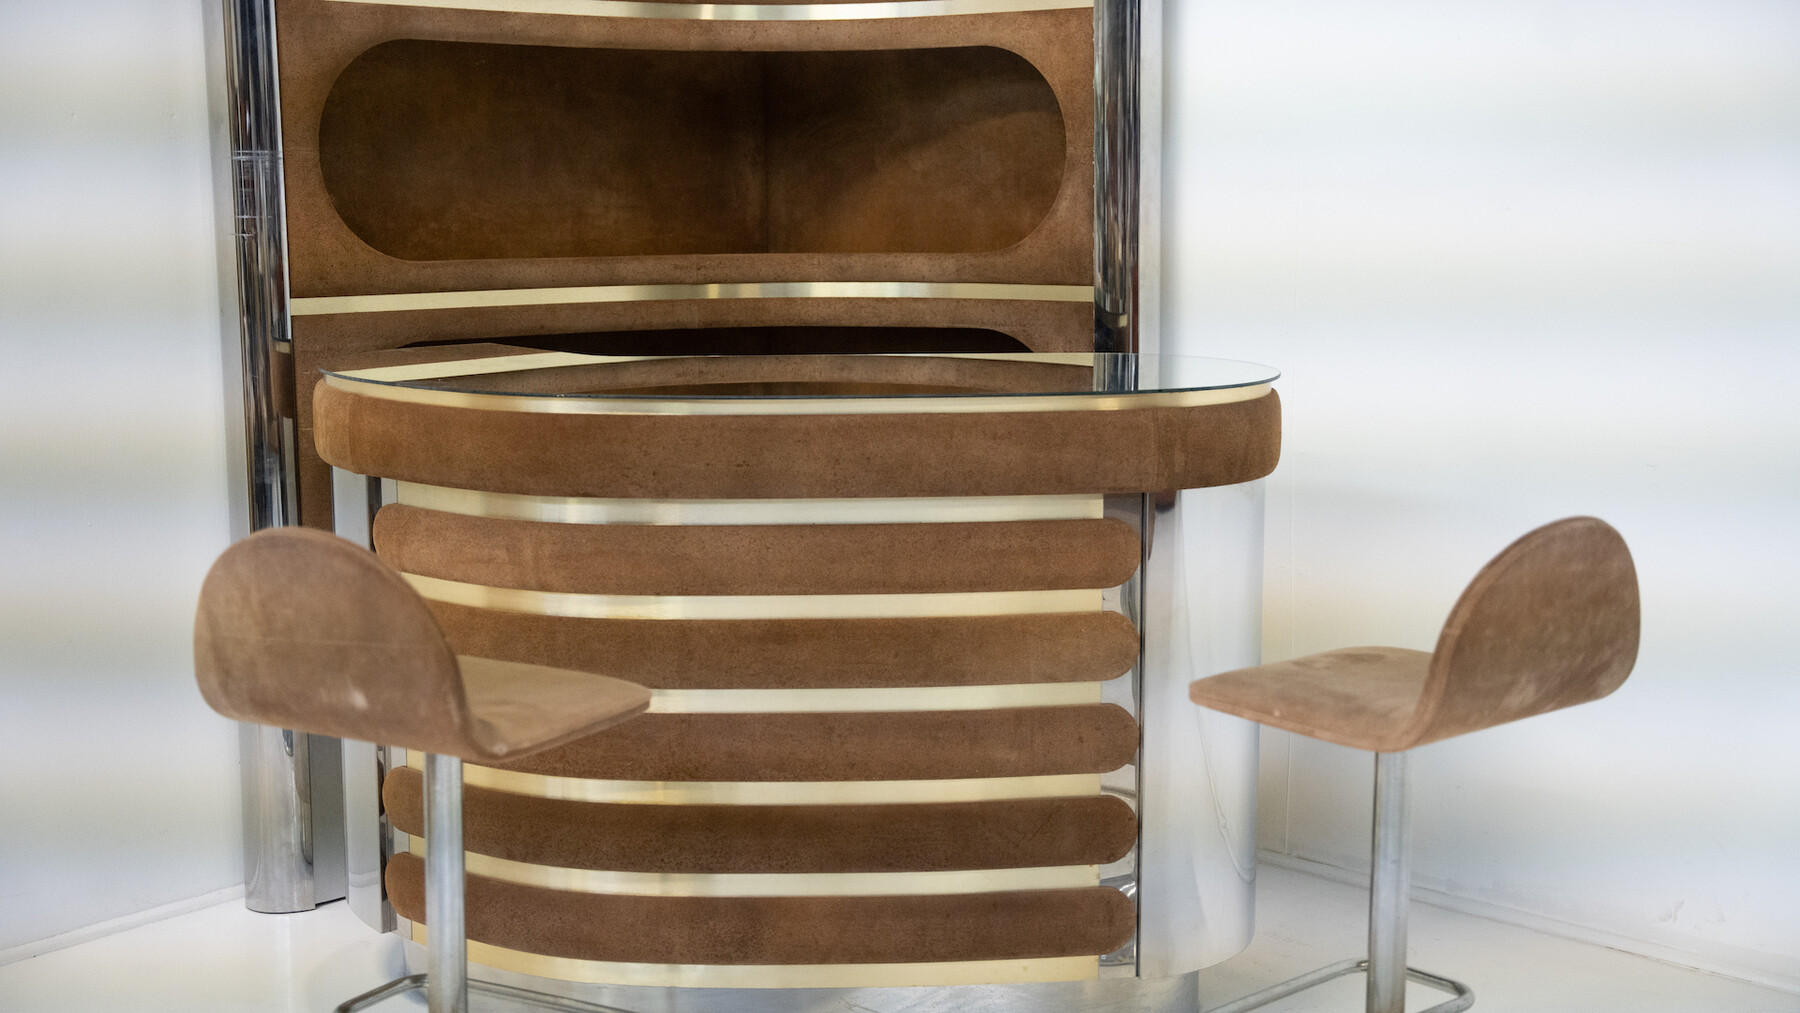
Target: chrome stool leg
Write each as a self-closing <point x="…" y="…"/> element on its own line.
<point x="446" y="979"/>
<point x="1390" y="873"/>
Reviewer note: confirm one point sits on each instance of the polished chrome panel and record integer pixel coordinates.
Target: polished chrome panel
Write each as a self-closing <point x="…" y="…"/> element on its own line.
<point x="1116" y="127"/>
<point x="776" y="884"/>
<point x="850" y="11"/>
<point x="756" y="606"/>
<point x="354" y="500"/>
<point x="898" y="510"/>
<point x="278" y="847"/>
<point x="1167" y="995"/>
<point x="323" y="305"/>
<point x="1146" y="313"/>
<point x="1202" y="615"/>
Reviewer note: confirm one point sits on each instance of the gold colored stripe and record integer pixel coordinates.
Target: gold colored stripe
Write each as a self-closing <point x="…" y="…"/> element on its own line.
<point x="744" y="12"/>
<point x="526" y="361"/>
<point x="888" y="699"/>
<point x="901" y="510"/>
<point x="907" y="405"/>
<point x="579" y="789"/>
<point x="787" y="884"/>
<point x="762" y="606"/>
<point x="969" y="972"/>
<point x="322" y="305"/>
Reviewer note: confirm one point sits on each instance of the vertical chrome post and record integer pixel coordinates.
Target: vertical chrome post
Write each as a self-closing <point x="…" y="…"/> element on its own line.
<point x="1390" y="872"/>
<point x="1116" y="165"/>
<point x="446" y="946"/>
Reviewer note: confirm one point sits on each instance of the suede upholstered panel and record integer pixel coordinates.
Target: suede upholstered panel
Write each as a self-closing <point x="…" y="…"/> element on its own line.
<point x="758" y="559"/>
<point x="437" y="150"/>
<point x="717" y="839"/>
<point x="773" y="456"/>
<point x="853" y="746"/>
<point x="320" y="40"/>
<point x="807" y="653"/>
<point x="1010" y="925"/>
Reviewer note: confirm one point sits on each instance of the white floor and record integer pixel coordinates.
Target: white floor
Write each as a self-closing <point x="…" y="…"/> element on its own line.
<point x="226" y="960"/>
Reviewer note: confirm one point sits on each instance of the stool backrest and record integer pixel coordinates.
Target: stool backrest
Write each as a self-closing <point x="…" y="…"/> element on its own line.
<point x="303" y="630"/>
<point x="1551" y="622"/>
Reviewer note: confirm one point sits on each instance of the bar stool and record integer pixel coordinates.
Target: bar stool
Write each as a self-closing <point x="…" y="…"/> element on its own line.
<point x="1551" y="622"/>
<point x="303" y="630"/>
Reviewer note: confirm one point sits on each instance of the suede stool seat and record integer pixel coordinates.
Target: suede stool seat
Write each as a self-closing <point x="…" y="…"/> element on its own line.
<point x="303" y="630"/>
<point x="1551" y="622"/>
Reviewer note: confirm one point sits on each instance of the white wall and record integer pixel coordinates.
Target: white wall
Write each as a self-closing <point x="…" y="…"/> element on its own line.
<point x="118" y="788"/>
<point x="1522" y="259"/>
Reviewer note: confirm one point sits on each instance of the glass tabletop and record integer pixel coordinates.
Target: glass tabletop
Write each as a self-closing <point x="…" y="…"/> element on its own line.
<point x="904" y="381"/>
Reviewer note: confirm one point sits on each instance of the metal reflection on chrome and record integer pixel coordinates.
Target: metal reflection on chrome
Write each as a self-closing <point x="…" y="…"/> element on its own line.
<point x="490" y="298"/>
<point x="847" y="11"/>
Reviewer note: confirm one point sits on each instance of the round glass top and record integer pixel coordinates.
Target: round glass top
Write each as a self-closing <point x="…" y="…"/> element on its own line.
<point x="777" y="383"/>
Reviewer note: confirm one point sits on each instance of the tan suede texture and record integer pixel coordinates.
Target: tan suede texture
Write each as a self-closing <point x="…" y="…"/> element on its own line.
<point x="799" y="456"/>
<point x="807" y="653"/>
<point x="721" y="839"/>
<point x="854" y="746"/>
<point x="756" y="559"/>
<point x="1008" y="925"/>
<point x="1551" y="622"/>
<point x="320" y="43"/>
<point x="303" y="630"/>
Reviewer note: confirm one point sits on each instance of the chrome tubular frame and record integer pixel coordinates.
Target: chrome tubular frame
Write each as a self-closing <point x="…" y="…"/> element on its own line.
<point x="1117" y="72"/>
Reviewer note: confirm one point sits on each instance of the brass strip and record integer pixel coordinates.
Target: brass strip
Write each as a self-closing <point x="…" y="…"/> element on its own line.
<point x="785" y="884"/>
<point x="526" y="361"/>
<point x="745" y="12"/>
<point x="322" y="305"/>
<point x="908" y="405"/>
<point x="763" y="606"/>
<point x="900" y="510"/>
<point x="887" y="699"/>
<point x="969" y="972"/>
<point x="578" y="789"/>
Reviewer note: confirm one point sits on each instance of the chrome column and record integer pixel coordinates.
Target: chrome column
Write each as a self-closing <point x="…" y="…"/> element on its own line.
<point x="1116" y="160"/>
<point x="446" y="948"/>
<point x="1390" y="873"/>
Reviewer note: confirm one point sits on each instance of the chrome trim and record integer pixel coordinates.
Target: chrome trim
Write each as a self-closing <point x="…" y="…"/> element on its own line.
<point x="590" y="510"/>
<point x="850" y="11"/>
<point x="323" y="305"/>
<point x="1117" y="75"/>
<point x="970" y="972"/>
<point x="1462" y="997"/>
<point x="885" y="699"/>
<point x="762" y="606"/>
<point x="775" y="884"/>
<point x="924" y="404"/>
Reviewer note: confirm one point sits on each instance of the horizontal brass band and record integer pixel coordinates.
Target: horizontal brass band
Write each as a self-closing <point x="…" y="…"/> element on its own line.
<point x="970" y="972"/>
<point x="806" y="884"/>
<point x="322" y="305"/>
<point x="792" y="606"/>
<point x="527" y="361"/>
<point x="978" y="789"/>
<point x="899" y="510"/>
<point x="912" y="405"/>
<point x="884" y="698"/>
<point x="848" y="11"/>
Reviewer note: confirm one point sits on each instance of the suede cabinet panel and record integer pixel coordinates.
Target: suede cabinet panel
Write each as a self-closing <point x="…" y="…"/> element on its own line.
<point x="723" y="839"/>
<point x="854" y="746"/>
<point x="800" y="456"/>
<point x="807" y="653"/>
<point x="762" y="559"/>
<point x="1010" y="925"/>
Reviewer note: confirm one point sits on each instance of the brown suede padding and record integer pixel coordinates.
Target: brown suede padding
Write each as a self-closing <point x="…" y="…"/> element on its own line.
<point x="855" y="746"/>
<point x="807" y="653"/>
<point x="1008" y="925"/>
<point x="319" y="42"/>
<point x="715" y="839"/>
<point x="799" y="456"/>
<point x="469" y="151"/>
<point x="303" y="630"/>
<point x="1551" y="622"/>
<point x="341" y="340"/>
<point x="756" y="559"/>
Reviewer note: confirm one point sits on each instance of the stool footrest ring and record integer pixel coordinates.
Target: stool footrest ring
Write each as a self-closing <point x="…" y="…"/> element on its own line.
<point x="1462" y="997"/>
<point x="419" y="983"/>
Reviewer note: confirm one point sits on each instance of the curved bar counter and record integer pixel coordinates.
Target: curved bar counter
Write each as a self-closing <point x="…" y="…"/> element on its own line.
<point x="919" y="629"/>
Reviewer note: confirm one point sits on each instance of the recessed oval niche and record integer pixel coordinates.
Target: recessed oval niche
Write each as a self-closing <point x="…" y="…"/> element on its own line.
<point x="472" y="151"/>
